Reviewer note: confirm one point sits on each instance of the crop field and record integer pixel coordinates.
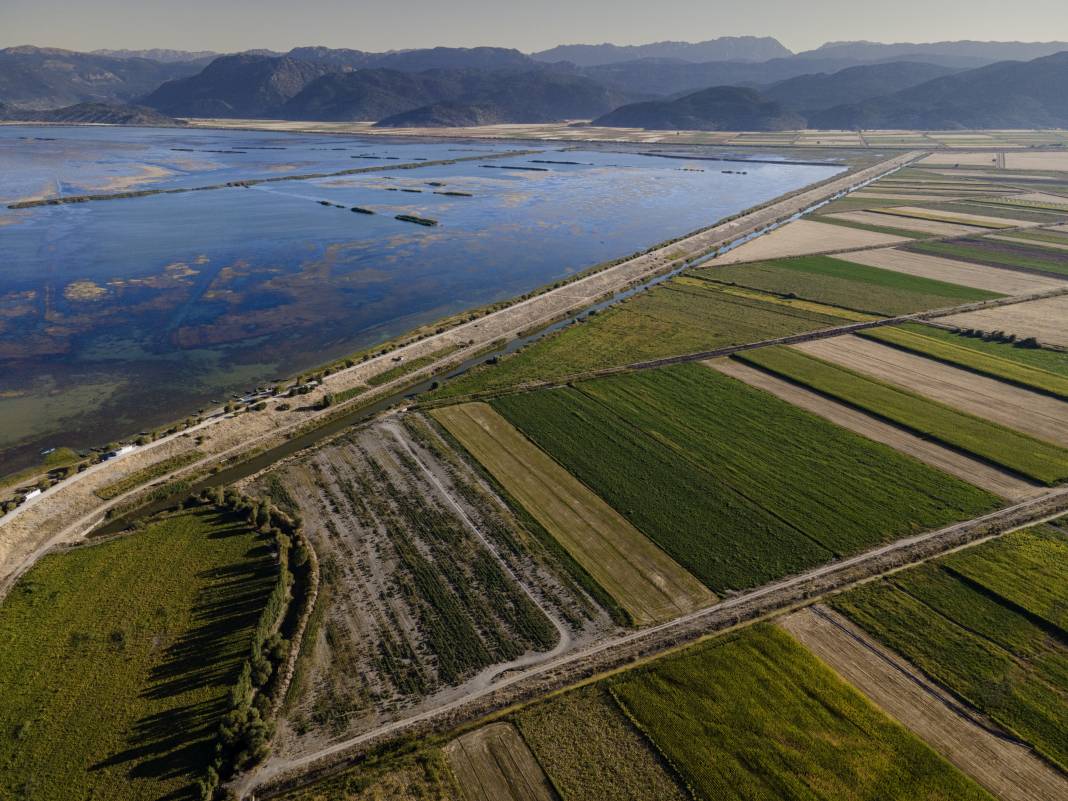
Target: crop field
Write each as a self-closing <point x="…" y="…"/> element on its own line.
<point x="641" y="578"/>
<point x="1042" y="417"/>
<point x="592" y="752"/>
<point x="802" y="237"/>
<point x="735" y="484"/>
<point x="1046" y="244"/>
<point x="997" y="254"/>
<point x="754" y="716"/>
<point x="999" y="208"/>
<point x="423" y="776"/>
<point x="842" y="283"/>
<point x="966" y="622"/>
<point x="999" y="360"/>
<point x="1015" y="451"/>
<point x="1042" y="320"/>
<point x="414" y="601"/>
<point x="913" y="225"/>
<point x="114" y="672"/>
<point x="971" y="470"/>
<point x="979" y="276"/>
<point x="494" y="764"/>
<point x="1048" y="237"/>
<point x="1009" y="769"/>
<point x="679" y="316"/>
<point x="961" y="218"/>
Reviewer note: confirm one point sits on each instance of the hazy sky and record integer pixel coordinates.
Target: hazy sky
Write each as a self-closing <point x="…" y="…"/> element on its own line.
<point x="228" y="25"/>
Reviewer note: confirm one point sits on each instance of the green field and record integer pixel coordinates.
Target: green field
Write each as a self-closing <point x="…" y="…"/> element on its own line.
<point x="997" y="254"/>
<point x="735" y="484"/>
<point x="673" y="318"/>
<point x="591" y="752"/>
<point x="841" y="283"/>
<point x="116" y="659"/>
<point x="1001" y="361"/>
<point x="754" y="716"/>
<point x="1042" y="237"/>
<point x="1018" y="452"/>
<point x="965" y="621"/>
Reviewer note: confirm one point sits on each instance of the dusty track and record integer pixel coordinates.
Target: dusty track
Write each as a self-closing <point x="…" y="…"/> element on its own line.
<point x="1006" y="767"/>
<point x="622" y="650"/>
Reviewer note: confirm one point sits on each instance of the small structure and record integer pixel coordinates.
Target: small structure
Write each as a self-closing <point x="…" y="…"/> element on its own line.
<point x="31" y="494"/>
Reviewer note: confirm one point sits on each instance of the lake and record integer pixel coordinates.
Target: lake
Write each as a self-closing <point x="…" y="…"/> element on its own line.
<point x="119" y="315"/>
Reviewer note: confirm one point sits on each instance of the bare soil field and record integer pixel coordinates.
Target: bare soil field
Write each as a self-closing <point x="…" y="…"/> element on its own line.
<point x="494" y="764"/>
<point x="973" y="471"/>
<point x="979" y="276"/>
<point x="427" y="586"/>
<point x="932" y="227"/>
<point x="1037" y="161"/>
<point x="644" y="580"/>
<point x="1006" y="768"/>
<point x="1042" y="319"/>
<point x="803" y="237"/>
<point x="1014" y="407"/>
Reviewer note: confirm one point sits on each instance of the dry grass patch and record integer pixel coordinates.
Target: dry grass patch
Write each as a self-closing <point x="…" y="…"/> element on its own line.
<point x="1042" y="319"/>
<point x="802" y="237"/>
<point x="643" y="579"/>
<point x="494" y="764"/>
<point x="932" y="227"/>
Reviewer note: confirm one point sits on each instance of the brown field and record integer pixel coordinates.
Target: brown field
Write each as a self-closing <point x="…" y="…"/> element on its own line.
<point x="893" y="193"/>
<point x="1042" y="319"/>
<point x="971" y="470"/>
<point x="1014" y="407"/>
<point x="979" y="276"/>
<point x="1037" y="161"/>
<point x="1007" y="769"/>
<point x="645" y="581"/>
<point x="981" y="220"/>
<point x="1042" y="197"/>
<point x="802" y="237"/>
<point x="966" y="159"/>
<point x="494" y="764"/>
<point x="932" y="227"/>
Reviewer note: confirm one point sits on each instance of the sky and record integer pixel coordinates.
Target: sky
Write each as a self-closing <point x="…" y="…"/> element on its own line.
<point x="376" y="25"/>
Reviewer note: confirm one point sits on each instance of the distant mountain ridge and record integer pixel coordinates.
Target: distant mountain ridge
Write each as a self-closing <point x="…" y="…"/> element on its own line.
<point x="725" y="48"/>
<point x="162" y="55"/>
<point x="97" y="113"/>
<point x="967" y="53"/>
<point x="719" y="108"/>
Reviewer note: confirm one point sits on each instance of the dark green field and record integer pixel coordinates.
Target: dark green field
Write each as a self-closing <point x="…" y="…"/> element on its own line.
<point x="841" y="283"/>
<point x="738" y="486"/>
<point x="116" y="660"/>
<point x="967" y="622"/>
<point x="755" y="717"/>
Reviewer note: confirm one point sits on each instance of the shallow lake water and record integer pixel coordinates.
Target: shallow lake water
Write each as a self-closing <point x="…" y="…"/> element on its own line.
<point x="121" y="314"/>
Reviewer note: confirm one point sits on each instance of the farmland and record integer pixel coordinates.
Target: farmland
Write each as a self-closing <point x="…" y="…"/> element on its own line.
<point x="709" y="468"/>
<point x="842" y="283"/>
<point x="591" y="751"/>
<point x="1042" y="320"/>
<point x="640" y="577"/>
<point x="116" y="673"/>
<point x="806" y="236"/>
<point x="965" y="621"/>
<point x="494" y="764"/>
<point x="1017" y="408"/>
<point x="1041" y="370"/>
<point x="1018" y="452"/>
<point x="784" y="727"/>
<point x="997" y="254"/>
<point x="676" y="317"/>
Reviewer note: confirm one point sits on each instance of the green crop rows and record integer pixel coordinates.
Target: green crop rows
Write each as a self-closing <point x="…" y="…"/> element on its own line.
<point x="1025" y="455"/>
<point x="673" y="318"/>
<point x="1001" y="361"/>
<point x="114" y="673"/>
<point x="736" y="485"/>
<point x="842" y="283"/>
<point x="966" y="622"/>
<point x="754" y="716"/>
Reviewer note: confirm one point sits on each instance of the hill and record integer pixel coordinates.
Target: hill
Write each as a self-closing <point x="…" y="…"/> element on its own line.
<point x="37" y="77"/>
<point x="99" y="113"/>
<point x="812" y="93"/>
<point x="1009" y="94"/>
<point x="725" y="48"/>
<point x="243" y="85"/>
<point x="967" y="54"/>
<point x="371" y="94"/>
<point x="720" y="108"/>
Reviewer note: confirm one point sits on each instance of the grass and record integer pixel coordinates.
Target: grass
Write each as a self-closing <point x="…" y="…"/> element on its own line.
<point x="420" y="776"/>
<point x="841" y="283"/>
<point x="839" y="489"/>
<point x="591" y="751"/>
<point x="996" y="254"/>
<point x="642" y="579"/>
<point x="957" y="626"/>
<point x="1029" y="457"/>
<point x="673" y="318"/>
<point x="116" y="671"/>
<point x="997" y="363"/>
<point x="754" y="716"/>
<point x="410" y="366"/>
<point x="147" y="474"/>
